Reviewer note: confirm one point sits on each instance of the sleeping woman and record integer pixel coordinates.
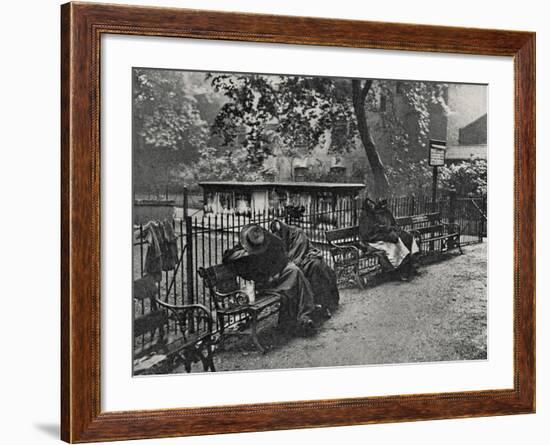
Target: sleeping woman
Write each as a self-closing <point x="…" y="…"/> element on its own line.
<point x="379" y="231"/>
<point x="261" y="257"/>
<point x="310" y="260"/>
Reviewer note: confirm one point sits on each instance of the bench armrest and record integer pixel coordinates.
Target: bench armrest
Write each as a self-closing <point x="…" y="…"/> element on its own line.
<point x="182" y="312"/>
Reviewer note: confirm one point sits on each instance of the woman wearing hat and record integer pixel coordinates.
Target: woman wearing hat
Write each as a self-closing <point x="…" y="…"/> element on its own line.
<point x="261" y="257"/>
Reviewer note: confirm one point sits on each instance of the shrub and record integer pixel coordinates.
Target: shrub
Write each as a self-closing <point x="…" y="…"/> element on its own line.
<point x="467" y="178"/>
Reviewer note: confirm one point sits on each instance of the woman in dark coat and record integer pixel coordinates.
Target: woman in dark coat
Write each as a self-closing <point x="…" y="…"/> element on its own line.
<point x="261" y="257"/>
<point x="377" y="225"/>
<point x="310" y="260"/>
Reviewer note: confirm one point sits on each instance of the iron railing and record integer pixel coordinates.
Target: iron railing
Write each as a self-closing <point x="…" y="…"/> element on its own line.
<point x="203" y="238"/>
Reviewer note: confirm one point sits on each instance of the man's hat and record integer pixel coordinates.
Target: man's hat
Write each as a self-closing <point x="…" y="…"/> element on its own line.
<point x="253" y="238"/>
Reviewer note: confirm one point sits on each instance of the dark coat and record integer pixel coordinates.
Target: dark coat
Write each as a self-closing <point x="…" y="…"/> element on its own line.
<point x="273" y="273"/>
<point x="259" y="268"/>
<point x="377" y="224"/>
<point x="310" y="260"/>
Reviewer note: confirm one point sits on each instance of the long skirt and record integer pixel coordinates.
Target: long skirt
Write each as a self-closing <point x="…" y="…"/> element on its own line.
<point x="296" y="294"/>
<point x="323" y="282"/>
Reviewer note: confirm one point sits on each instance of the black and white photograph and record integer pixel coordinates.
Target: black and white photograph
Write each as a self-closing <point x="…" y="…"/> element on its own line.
<point x="286" y="221"/>
<point x="268" y="222"/>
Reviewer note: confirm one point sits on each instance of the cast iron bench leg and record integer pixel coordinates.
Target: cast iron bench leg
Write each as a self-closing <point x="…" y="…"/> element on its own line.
<point x="358" y="278"/>
<point x="210" y="356"/>
<point x="458" y="244"/>
<point x="206" y="358"/>
<point x="254" y="331"/>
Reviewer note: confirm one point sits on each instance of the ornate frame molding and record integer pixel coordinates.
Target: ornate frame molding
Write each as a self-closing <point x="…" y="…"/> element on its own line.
<point x="82" y="25"/>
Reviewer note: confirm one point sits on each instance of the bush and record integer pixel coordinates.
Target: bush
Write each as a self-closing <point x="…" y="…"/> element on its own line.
<point x="467" y="178"/>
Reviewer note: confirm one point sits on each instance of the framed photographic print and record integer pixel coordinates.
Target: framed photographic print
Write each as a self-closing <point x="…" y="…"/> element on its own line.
<point x="275" y="222"/>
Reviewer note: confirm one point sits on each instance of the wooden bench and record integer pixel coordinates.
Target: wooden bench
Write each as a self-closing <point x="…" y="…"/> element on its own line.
<point x="193" y="341"/>
<point x="233" y="305"/>
<point x="430" y="233"/>
<point x="348" y="256"/>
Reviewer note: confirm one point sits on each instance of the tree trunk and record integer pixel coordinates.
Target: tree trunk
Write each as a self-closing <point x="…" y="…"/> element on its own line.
<point x="359" y="94"/>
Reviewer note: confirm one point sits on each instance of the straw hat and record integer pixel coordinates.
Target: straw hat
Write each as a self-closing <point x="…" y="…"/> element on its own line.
<point x="253" y="238"/>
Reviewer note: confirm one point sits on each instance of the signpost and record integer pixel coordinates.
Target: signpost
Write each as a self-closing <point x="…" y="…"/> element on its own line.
<point x="437" y="159"/>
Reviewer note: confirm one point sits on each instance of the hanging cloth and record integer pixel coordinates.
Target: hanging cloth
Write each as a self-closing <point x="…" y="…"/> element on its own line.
<point x="153" y="258"/>
<point x="170" y="248"/>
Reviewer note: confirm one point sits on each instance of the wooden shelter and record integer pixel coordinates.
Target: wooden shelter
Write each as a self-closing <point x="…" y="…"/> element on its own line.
<point x="245" y="198"/>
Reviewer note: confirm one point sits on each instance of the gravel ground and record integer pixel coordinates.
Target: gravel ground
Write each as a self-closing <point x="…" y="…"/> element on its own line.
<point x="441" y="315"/>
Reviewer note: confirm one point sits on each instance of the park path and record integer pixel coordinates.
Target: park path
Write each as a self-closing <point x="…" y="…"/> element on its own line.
<point x="438" y="316"/>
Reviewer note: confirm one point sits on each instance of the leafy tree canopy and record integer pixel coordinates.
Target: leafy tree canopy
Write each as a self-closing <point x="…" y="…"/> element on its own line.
<point x="165" y="109"/>
<point x="304" y="111"/>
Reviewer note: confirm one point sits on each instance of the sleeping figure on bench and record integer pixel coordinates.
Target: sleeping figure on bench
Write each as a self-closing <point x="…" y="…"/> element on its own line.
<point x="380" y="233"/>
<point x="261" y="257"/>
<point x="310" y="260"/>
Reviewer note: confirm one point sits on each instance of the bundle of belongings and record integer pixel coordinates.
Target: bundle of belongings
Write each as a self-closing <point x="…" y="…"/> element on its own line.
<point x="162" y="250"/>
<point x="261" y="257"/>
<point x="379" y="233"/>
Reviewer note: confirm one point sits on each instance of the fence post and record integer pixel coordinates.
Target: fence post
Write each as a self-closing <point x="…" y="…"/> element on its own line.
<point x="185" y="203"/>
<point x="480" y="230"/>
<point x="483" y="221"/>
<point x="189" y="244"/>
<point x="141" y="250"/>
<point x="452" y="206"/>
<point x="189" y="252"/>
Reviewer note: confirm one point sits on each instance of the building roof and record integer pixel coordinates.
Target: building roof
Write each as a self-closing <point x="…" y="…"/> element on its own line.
<point x="466" y="152"/>
<point x="305" y="186"/>
<point x="475" y="133"/>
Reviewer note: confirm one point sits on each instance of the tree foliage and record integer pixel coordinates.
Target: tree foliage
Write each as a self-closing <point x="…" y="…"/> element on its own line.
<point x="231" y="165"/>
<point x="304" y="111"/>
<point x="253" y="117"/>
<point x="298" y="109"/>
<point x="169" y="131"/>
<point x="165" y="109"/>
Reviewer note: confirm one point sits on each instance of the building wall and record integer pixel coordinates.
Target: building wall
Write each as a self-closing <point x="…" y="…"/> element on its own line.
<point x="467" y="103"/>
<point x="474" y="133"/>
<point x="438" y="122"/>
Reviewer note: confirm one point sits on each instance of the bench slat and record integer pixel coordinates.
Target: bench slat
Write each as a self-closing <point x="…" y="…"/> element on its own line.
<point x="263" y="302"/>
<point x="342" y="234"/>
<point x="437" y="238"/>
<point x="433" y="217"/>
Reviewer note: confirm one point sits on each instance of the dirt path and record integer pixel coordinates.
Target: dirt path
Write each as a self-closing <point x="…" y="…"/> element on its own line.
<point x="439" y="316"/>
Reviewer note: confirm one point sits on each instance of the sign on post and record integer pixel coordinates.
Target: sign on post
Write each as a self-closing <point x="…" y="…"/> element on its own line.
<point x="437" y="159"/>
<point x="437" y="152"/>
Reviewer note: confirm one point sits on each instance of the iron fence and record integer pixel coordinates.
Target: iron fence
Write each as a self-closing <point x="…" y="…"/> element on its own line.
<point x="169" y="288"/>
<point x="202" y="239"/>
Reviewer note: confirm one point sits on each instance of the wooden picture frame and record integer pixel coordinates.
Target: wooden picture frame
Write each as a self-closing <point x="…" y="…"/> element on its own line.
<point x="82" y="26"/>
